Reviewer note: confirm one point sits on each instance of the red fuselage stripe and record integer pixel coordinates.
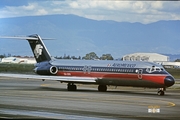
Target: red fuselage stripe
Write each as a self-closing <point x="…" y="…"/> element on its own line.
<point x="155" y="78"/>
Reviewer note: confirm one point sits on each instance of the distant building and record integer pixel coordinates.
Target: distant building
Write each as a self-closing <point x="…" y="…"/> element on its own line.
<point x="170" y="64"/>
<point x="18" y="60"/>
<point x="151" y="57"/>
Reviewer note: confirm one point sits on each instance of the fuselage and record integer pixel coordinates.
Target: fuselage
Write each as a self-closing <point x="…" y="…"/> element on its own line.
<point x="118" y="73"/>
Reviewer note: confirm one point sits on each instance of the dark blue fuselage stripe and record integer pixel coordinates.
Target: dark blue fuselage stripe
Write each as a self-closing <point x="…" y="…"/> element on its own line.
<point x="106" y="69"/>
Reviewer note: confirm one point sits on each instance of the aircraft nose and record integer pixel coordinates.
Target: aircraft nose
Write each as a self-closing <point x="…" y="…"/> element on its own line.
<point x="169" y="81"/>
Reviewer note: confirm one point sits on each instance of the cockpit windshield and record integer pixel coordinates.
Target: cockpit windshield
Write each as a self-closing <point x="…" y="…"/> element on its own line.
<point x="154" y="69"/>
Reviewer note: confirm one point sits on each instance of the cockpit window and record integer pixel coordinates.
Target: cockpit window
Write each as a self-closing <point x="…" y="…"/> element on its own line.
<point x="148" y="69"/>
<point x="158" y="69"/>
<point x="154" y="69"/>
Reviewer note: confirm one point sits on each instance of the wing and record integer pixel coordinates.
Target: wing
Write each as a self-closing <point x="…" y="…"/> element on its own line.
<point x="55" y="78"/>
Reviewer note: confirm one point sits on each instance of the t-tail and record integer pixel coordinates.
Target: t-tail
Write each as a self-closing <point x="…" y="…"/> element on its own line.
<point x="38" y="48"/>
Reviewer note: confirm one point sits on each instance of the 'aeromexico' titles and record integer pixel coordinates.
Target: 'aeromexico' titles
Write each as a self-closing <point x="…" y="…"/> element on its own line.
<point x="124" y="65"/>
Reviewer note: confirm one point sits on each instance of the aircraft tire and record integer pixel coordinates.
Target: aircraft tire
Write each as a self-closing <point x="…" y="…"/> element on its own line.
<point x="71" y="87"/>
<point x="102" y="88"/>
<point x="161" y="92"/>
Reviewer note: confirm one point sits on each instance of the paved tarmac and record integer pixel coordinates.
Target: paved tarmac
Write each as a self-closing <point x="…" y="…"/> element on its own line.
<point x="33" y="99"/>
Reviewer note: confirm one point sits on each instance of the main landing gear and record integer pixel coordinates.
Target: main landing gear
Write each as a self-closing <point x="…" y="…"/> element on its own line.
<point x="161" y="91"/>
<point x="102" y="88"/>
<point x="71" y="87"/>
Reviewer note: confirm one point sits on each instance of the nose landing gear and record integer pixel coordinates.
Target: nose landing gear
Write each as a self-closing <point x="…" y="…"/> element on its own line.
<point x="161" y="91"/>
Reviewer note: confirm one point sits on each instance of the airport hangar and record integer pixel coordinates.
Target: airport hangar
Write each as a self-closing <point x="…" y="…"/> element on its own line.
<point x="152" y="57"/>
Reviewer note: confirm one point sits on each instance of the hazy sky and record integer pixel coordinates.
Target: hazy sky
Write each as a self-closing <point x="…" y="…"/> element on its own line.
<point x="118" y="10"/>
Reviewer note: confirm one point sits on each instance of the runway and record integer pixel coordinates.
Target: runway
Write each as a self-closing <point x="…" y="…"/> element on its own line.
<point x="33" y="99"/>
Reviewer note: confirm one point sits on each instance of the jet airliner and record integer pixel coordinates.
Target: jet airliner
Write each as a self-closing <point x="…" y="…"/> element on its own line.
<point x="100" y="72"/>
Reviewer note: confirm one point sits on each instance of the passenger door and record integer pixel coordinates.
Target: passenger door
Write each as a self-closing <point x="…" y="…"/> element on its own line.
<point x="140" y="74"/>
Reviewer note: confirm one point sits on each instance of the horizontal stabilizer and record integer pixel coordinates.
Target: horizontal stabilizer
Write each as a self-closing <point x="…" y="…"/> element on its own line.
<point x="24" y="38"/>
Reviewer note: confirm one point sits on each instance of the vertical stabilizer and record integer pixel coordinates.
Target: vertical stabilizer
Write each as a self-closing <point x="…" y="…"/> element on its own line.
<point x="38" y="48"/>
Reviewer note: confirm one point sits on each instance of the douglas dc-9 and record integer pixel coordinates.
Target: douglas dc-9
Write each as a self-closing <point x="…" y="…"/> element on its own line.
<point x="100" y="72"/>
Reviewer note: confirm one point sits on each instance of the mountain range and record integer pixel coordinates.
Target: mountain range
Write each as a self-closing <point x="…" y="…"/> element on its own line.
<point x="77" y="36"/>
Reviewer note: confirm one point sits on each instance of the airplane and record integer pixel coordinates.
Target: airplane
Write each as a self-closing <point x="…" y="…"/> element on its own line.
<point x="100" y="72"/>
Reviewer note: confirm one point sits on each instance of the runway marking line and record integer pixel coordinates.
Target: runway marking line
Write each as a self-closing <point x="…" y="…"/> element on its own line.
<point x="44" y="85"/>
<point x="171" y="104"/>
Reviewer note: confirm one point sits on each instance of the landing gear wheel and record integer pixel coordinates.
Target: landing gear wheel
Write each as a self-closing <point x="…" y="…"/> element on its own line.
<point x="102" y="88"/>
<point x="71" y="87"/>
<point x="161" y="91"/>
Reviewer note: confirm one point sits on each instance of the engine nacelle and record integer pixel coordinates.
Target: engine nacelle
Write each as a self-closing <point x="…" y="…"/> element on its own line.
<point x="46" y="70"/>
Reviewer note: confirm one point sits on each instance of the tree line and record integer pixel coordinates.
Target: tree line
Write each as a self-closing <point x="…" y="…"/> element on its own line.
<point x="88" y="56"/>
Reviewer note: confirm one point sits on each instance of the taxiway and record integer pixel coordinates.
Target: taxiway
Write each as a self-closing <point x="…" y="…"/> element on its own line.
<point x="23" y="98"/>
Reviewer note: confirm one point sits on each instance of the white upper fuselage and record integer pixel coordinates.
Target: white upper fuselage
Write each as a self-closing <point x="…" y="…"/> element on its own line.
<point x="104" y="63"/>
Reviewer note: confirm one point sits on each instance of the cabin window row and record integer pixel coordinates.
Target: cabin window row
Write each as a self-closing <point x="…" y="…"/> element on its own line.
<point x="112" y="70"/>
<point x="97" y="69"/>
<point x="71" y="68"/>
